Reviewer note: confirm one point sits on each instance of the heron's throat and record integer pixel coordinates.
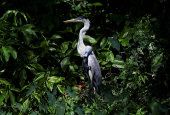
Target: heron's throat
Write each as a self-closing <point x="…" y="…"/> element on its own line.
<point x="81" y="46"/>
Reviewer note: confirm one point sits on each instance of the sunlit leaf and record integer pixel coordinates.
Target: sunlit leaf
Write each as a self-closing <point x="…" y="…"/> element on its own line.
<point x="103" y="42"/>
<point x="64" y="63"/>
<point x="26" y="103"/>
<point x="13" y="52"/>
<point x="5" y="53"/>
<point x="55" y="36"/>
<point x="97" y="4"/>
<point x="55" y="79"/>
<point x="89" y="39"/>
<point x="110" y="56"/>
<point x="2" y="80"/>
<point x="37" y="66"/>
<point x="74" y="44"/>
<point x="118" y="64"/>
<point x="39" y="76"/>
<point x="60" y="88"/>
<point x="2" y="97"/>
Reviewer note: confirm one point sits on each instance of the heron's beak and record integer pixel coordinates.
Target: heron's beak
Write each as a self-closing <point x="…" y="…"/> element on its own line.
<point x="68" y="21"/>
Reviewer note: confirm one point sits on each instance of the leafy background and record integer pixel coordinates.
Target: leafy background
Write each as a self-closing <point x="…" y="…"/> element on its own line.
<point x="41" y="72"/>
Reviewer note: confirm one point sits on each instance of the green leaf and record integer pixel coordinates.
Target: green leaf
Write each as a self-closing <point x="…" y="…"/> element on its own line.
<point x="103" y="43"/>
<point x="124" y="42"/>
<point x="31" y="89"/>
<point x="13" y="52"/>
<point x="97" y="4"/>
<point x="74" y="44"/>
<point x="110" y="56"/>
<point x="89" y="39"/>
<point x="39" y="76"/>
<point x="60" y="88"/>
<point x="70" y="93"/>
<point x="12" y="97"/>
<point x="64" y="63"/>
<point x="15" y="89"/>
<point x="118" y="64"/>
<point x="37" y="66"/>
<point x="64" y="46"/>
<point x="23" y="77"/>
<point x="55" y="79"/>
<point x="51" y="96"/>
<point x="5" y="53"/>
<point x="27" y="37"/>
<point x="2" y="97"/>
<point x="60" y="107"/>
<point x="4" y="81"/>
<point x="55" y="36"/>
<point x="26" y="103"/>
<point x="79" y="110"/>
<point x="114" y="42"/>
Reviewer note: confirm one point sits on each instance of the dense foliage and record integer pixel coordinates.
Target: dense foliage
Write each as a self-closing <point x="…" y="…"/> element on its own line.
<point x="41" y="71"/>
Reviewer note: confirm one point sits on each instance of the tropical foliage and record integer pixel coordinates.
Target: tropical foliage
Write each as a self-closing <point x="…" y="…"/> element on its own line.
<point x="41" y="71"/>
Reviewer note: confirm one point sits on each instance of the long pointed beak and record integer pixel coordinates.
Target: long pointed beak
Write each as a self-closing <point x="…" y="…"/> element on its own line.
<point x="68" y="21"/>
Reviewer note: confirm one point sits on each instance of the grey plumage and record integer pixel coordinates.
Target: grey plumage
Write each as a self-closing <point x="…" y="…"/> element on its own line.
<point x="90" y="63"/>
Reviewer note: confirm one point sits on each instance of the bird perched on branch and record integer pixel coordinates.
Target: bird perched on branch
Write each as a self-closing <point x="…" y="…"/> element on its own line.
<point x="90" y="63"/>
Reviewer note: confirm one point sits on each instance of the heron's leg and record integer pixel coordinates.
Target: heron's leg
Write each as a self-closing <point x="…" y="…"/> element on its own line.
<point x="90" y="81"/>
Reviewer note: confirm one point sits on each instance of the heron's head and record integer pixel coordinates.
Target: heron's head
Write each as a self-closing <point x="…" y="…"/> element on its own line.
<point x="79" y="19"/>
<point x="88" y="51"/>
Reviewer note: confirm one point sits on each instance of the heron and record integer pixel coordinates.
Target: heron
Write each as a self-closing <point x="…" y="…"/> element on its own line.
<point x="90" y="63"/>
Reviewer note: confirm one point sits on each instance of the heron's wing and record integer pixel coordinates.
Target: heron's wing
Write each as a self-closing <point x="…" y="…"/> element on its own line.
<point x="94" y="70"/>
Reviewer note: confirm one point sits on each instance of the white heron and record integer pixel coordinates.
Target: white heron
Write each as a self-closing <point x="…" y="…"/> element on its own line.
<point x="90" y="63"/>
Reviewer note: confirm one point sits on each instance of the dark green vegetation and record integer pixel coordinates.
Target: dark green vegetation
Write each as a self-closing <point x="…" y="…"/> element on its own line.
<point x="41" y="71"/>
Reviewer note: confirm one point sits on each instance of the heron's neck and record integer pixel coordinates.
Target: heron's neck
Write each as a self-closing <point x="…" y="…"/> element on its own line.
<point x="83" y="32"/>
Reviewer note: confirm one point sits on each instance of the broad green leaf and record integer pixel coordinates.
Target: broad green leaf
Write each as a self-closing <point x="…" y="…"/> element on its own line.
<point x="55" y="36"/>
<point x="79" y="110"/>
<point x="69" y="92"/>
<point x="12" y="97"/>
<point x="89" y="39"/>
<point x="27" y="26"/>
<point x="103" y="42"/>
<point x="2" y="97"/>
<point x="51" y="96"/>
<point x="64" y="46"/>
<point x="31" y="32"/>
<point x="124" y="42"/>
<point x="64" y="63"/>
<point x="5" y="53"/>
<point x="74" y="44"/>
<point x="118" y="64"/>
<point x="13" y="52"/>
<point x="114" y="42"/>
<point x="31" y="89"/>
<point x="4" y="81"/>
<point x="37" y="66"/>
<point x="15" y="89"/>
<point x="108" y="97"/>
<point x="26" y="103"/>
<point x="97" y="4"/>
<point x="39" y="76"/>
<point x="60" y="88"/>
<point x="60" y="107"/>
<point x="110" y="56"/>
<point x="55" y="79"/>
<point x="27" y="37"/>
